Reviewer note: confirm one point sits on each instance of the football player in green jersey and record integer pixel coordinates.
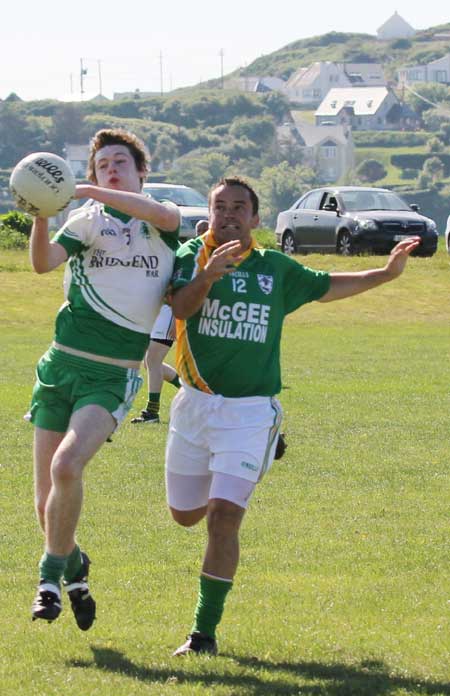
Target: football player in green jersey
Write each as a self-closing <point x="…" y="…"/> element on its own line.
<point x="120" y="247"/>
<point x="230" y="299"/>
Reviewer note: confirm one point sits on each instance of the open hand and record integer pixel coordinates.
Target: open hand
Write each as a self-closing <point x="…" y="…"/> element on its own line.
<point x="223" y="259"/>
<point x="399" y="256"/>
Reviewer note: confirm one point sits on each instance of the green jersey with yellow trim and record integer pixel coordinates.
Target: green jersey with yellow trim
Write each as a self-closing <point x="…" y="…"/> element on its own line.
<point x="231" y="346"/>
<point x="115" y="281"/>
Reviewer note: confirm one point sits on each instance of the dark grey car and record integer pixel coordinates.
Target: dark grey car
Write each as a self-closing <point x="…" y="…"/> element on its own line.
<point x="351" y="219"/>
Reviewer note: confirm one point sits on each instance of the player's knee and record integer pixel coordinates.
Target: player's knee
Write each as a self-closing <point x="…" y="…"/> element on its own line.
<point x="66" y="468"/>
<point x="187" y="518"/>
<point x="224" y="518"/>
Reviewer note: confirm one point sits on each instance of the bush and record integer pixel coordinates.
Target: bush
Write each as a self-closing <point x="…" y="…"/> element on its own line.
<point x="408" y="174"/>
<point x="389" y="139"/>
<point x="370" y="170"/>
<point x="17" y="221"/>
<point x="416" y="161"/>
<point x="266" y="238"/>
<point x="11" y="239"/>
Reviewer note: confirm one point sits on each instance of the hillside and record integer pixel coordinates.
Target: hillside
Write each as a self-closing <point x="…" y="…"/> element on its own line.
<point x="351" y="48"/>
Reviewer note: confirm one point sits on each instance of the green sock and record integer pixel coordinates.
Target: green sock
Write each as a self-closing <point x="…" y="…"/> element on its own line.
<point x="211" y="600"/>
<point x="153" y="403"/>
<point x="176" y="382"/>
<point x="73" y="565"/>
<point x="52" y="567"/>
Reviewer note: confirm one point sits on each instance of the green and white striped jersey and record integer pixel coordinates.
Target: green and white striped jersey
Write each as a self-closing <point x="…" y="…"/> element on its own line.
<point x="115" y="281"/>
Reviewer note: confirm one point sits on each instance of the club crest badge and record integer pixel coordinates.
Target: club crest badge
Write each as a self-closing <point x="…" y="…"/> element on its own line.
<point x="265" y="282"/>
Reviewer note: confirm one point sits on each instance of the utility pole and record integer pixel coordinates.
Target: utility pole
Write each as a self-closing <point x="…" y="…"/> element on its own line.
<point x="221" y="54"/>
<point x="99" y="64"/>
<point x="161" y="72"/>
<point x="83" y="72"/>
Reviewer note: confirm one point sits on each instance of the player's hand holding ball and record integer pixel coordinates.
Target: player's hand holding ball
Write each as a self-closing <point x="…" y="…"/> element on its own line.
<point x="42" y="184"/>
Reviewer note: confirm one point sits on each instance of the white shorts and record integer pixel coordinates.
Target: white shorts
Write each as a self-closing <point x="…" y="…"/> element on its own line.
<point x="164" y="327"/>
<point x="210" y="433"/>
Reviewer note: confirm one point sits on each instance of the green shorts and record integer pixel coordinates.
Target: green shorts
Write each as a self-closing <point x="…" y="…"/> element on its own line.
<point x="66" y="383"/>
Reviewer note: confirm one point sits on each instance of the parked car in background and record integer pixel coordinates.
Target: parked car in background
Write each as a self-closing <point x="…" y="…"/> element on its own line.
<point x="193" y="205"/>
<point x="447" y="235"/>
<point x="353" y="219"/>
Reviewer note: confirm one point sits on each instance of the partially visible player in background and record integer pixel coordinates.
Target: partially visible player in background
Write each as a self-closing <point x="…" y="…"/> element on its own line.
<point x="158" y="372"/>
<point x="161" y="340"/>
<point x="201" y="227"/>
<point x="121" y="248"/>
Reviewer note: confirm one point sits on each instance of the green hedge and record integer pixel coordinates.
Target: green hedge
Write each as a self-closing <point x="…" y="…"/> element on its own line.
<point x="389" y="138"/>
<point x="431" y="203"/>
<point x="416" y="161"/>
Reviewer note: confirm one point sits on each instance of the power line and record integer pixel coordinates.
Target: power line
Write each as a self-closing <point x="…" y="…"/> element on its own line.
<point x="440" y="108"/>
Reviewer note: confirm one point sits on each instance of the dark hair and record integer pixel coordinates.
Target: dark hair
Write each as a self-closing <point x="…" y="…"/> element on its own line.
<point x="118" y="136"/>
<point x="236" y="181"/>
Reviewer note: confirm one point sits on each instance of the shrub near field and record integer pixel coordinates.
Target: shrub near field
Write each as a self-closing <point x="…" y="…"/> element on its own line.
<point x="343" y="582"/>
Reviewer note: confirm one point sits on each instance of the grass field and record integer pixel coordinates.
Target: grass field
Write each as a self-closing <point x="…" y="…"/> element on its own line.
<point x="343" y="586"/>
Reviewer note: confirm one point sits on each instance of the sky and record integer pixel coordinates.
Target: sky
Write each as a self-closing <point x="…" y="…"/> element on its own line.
<point x="161" y="45"/>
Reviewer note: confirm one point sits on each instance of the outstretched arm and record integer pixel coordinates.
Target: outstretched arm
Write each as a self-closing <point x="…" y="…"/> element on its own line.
<point x="138" y="205"/>
<point x="347" y="284"/>
<point x="44" y="255"/>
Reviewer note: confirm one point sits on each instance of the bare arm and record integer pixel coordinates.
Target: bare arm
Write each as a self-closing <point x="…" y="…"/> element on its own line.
<point x="347" y="284"/>
<point x="137" y="205"/>
<point x="187" y="301"/>
<point x="44" y="254"/>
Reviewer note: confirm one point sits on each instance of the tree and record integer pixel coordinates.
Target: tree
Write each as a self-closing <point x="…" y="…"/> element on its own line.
<point x="260" y="130"/>
<point x="165" y="152"/>
<point x="435" y="145"/>
<point x="68" y="126"/>
<point x="433" y="168"/>
<point x="18" y="134"/>
<point x="370" y="170"/>
<point x="199" y="169"/>
<point x="279" y="186"/>
<point x="427" y="94"/>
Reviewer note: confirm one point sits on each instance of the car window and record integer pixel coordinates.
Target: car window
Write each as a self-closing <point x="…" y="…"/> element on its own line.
<point x="312" y="201"/>
<point x="331" y="201"/>
<point x="373" y="200"/>
<point x="180" y="196"/>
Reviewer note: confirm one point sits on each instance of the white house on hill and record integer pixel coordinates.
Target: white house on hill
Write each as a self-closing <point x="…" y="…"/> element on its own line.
<point x="329" y="150"/>
<point x="311" y="85"/>
<point x="395" y="28"/>
<point x="436" y="71"/>
<point x="361" y="108"/>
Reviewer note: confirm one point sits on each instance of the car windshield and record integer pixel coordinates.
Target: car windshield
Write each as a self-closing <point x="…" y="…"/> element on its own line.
<point x="180" y="196"/>
<point x="372" y="200"/>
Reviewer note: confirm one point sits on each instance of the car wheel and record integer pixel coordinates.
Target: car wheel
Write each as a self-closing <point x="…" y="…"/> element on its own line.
<point x="288" y="243"/>
<point x="344" y="244"/>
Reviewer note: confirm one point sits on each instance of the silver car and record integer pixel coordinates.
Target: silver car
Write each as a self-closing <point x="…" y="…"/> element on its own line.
<point x="351" y="220"/>
<point x="193" y="205"/>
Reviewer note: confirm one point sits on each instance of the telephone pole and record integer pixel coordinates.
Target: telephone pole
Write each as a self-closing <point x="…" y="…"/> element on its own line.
<point x="83" y="72"/>
<point x="161" y="73"/>
<point x="99" y="65"/>
<point x="221" y="54"/>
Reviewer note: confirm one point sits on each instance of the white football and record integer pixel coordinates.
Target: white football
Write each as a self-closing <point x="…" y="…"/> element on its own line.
<point x="42" y="184"/>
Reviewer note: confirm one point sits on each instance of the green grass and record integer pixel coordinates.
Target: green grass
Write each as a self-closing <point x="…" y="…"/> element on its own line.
<point x="343" y="586"/>
<point x="383" y="155"/>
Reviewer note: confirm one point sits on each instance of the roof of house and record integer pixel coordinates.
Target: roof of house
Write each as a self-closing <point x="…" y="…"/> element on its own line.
<point x="395" y="22"/>
<point x="304" y="75"/>
<point x="365" y="101"/>
<point x="315" y="135"/>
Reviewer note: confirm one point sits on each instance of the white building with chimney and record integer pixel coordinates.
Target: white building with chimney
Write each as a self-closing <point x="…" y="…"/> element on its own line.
<point x="395" y="28"/>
